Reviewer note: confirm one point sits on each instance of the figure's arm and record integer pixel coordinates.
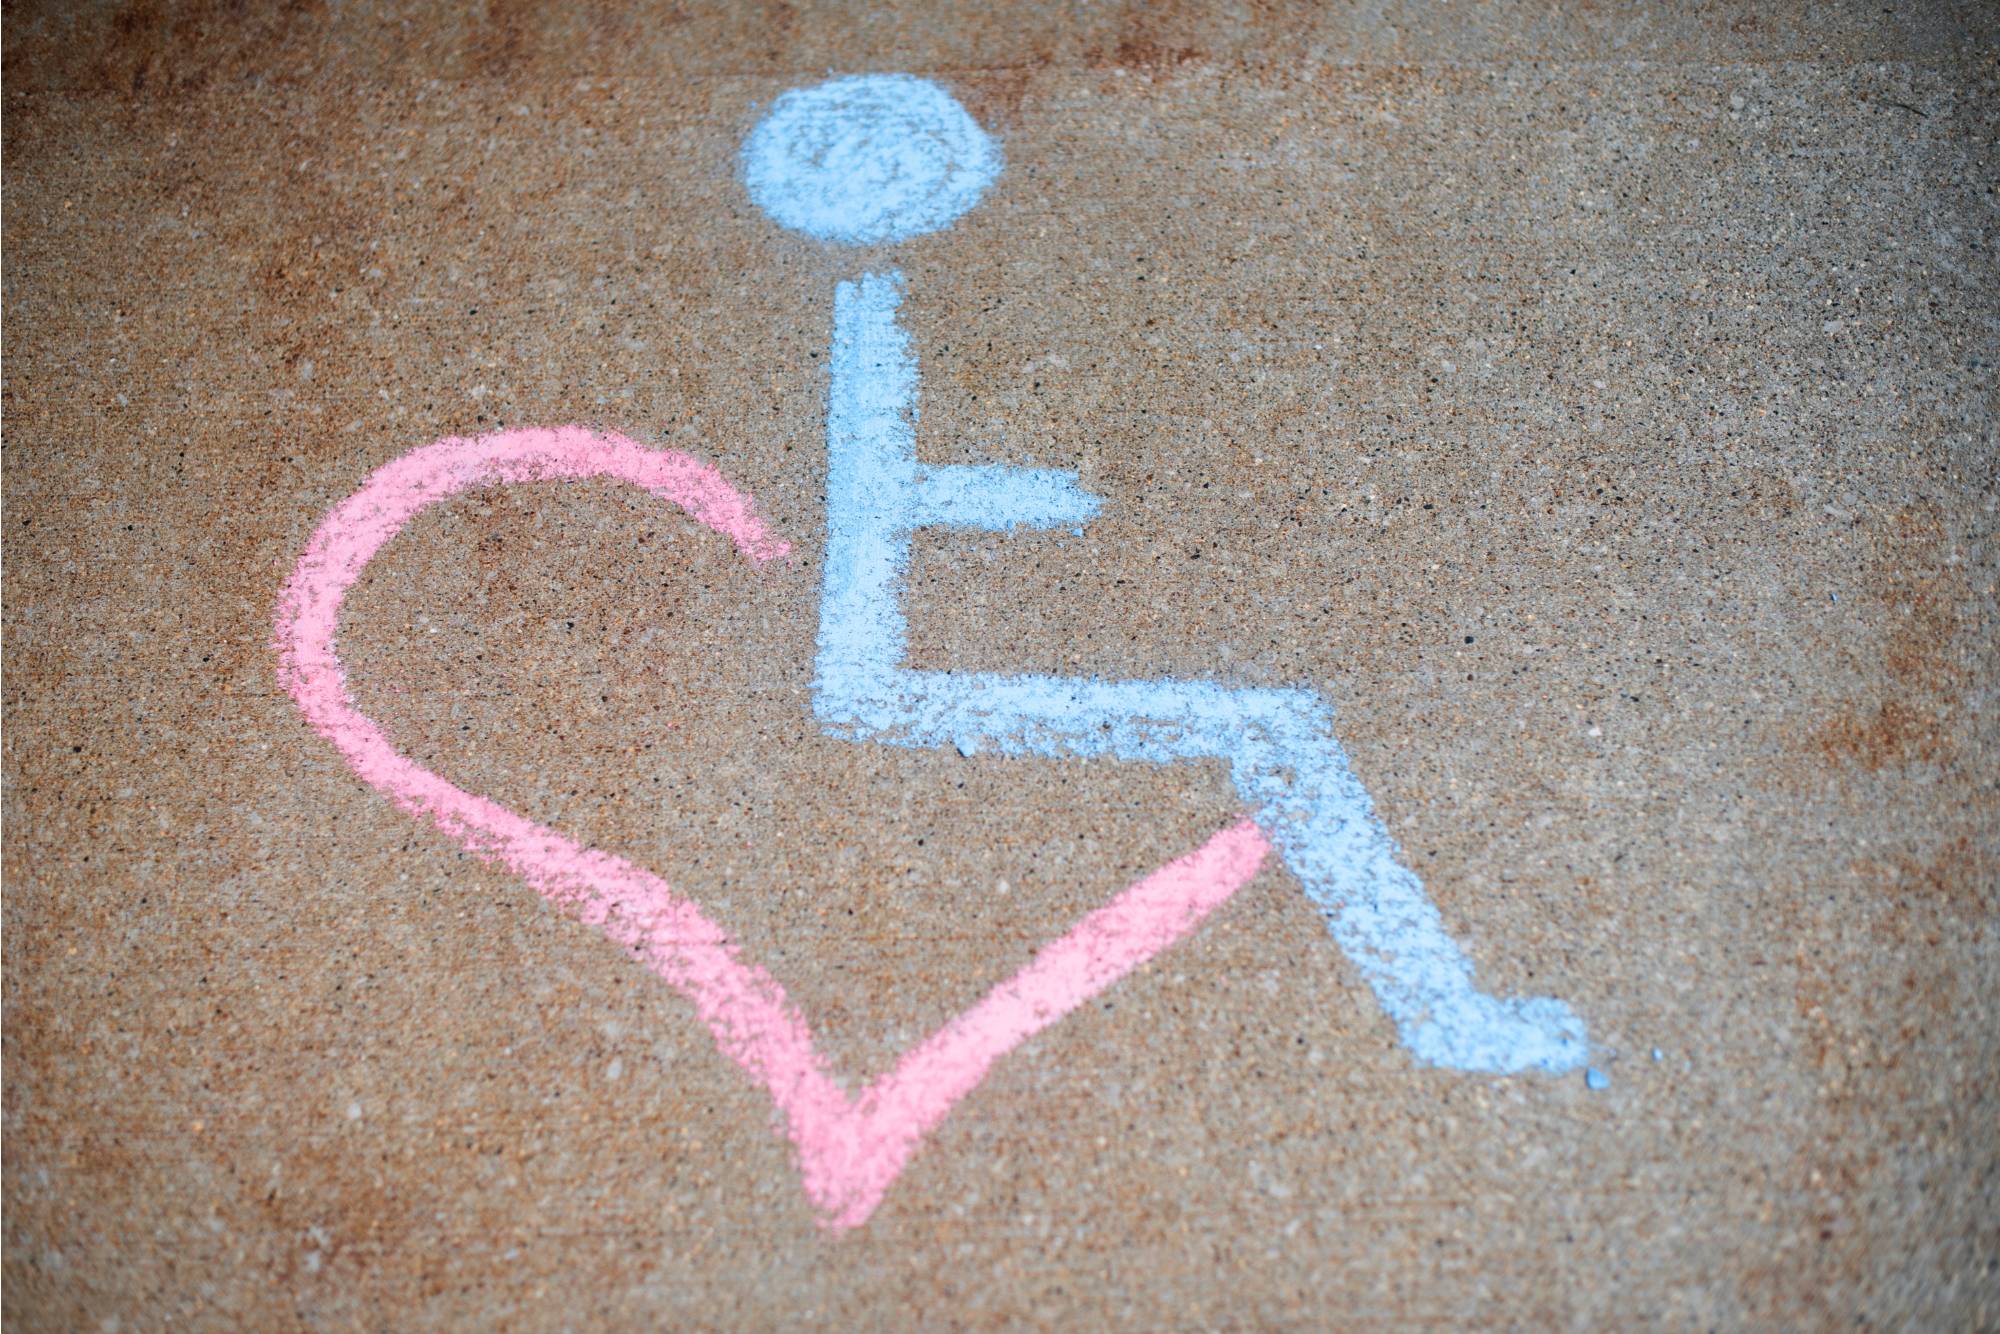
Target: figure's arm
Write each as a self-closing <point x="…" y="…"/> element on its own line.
<point x="999" y="497"/>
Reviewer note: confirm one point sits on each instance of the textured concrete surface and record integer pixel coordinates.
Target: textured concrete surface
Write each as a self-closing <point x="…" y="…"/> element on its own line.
<point x="1598" y="405"/>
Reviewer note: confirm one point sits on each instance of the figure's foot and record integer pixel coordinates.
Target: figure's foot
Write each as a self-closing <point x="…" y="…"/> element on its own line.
<point x="1502" y="1037"/>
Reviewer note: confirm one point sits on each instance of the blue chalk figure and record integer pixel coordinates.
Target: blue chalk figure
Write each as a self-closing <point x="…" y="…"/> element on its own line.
<point x="882" y="158"/>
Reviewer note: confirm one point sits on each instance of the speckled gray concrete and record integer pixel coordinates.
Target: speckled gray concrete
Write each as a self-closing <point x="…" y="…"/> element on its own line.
<point x="1599" y="407"/>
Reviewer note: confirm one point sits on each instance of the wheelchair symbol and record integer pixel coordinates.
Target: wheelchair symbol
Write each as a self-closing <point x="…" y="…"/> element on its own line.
<point x="882" y="158"/>
<point x="862" y="161"/>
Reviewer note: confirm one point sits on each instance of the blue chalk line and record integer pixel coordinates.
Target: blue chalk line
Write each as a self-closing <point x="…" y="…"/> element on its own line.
<point x="881" y="158"/>
<point x="1285" y="761"/>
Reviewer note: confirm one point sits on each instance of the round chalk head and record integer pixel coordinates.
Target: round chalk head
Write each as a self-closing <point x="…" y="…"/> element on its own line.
<point x="872" y="158"/>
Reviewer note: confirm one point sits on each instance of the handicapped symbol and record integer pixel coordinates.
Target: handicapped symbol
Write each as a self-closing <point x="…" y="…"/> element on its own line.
<point x="882" y="158"/>
<point x="864" y="161"/>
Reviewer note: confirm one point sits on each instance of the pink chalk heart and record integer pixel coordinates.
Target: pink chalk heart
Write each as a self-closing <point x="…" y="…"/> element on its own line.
<point x="849" y="1147"/>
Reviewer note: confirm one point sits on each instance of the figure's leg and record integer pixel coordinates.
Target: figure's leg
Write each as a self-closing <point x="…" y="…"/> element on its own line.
<point x="1289" y="768"/>
<point x="1317" y="814"/>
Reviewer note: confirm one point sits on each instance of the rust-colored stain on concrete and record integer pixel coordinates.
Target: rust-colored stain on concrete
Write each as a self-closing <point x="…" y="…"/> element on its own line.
<point x="1928" y="650"/>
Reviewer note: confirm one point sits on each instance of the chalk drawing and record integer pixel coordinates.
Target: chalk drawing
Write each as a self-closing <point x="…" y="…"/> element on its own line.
<point x="849" y="1147"/>
<point x="1283" y="757"/>
<point x="861" y="161"/>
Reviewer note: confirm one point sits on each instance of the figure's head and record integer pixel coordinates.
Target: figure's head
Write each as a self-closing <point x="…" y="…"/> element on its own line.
<point x="868" y="159"/>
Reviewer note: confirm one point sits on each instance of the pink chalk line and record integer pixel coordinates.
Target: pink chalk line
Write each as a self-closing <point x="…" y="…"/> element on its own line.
<point x="850" y="1148"/>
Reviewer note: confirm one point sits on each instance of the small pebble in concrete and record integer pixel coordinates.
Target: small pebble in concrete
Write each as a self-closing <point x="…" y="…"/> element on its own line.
<point x="1596" y="1078"/>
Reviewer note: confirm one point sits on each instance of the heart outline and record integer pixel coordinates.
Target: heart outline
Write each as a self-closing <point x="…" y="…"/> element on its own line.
<point x="848" y="1148"/>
